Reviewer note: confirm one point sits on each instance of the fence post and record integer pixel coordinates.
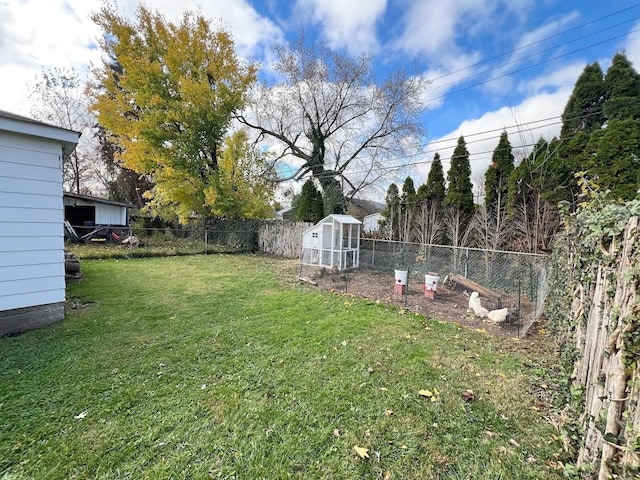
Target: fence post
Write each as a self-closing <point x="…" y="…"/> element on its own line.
<point x="373" y="253"/>
<point x="206" y="240"/>
<point x="466" y="263"/>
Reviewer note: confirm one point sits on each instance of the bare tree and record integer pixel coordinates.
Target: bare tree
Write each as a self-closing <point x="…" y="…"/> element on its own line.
<point x="333" y="120"/>
<point x="429" y="223"/>
<point x="59" y="99"/>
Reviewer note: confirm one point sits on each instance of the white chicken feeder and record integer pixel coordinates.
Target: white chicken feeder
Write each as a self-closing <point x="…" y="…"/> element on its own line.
<point x="400" y="286"/>
<point x="332" y="242"/>
<point x="431" y="284"/>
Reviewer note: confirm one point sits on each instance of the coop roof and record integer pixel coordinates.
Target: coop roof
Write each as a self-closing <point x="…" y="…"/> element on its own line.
<point x="341" y="219"/>
<point x="344" y="219"/>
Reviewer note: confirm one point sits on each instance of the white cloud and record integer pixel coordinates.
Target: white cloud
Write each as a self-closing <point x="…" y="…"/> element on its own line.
<point x="36" y="34"/>
<point x="553" y="79"/>
<point x="525" y="124"/>
<point x="350" y="24"/>
<point x="445" y="77"/>
<point x="632" y="47"/>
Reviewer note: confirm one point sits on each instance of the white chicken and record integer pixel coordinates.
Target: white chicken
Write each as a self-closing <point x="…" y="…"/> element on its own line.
<point x="476" y="305"/>
<point x="498" y="316"/>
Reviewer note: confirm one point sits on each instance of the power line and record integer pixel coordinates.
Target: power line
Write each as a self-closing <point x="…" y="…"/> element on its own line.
<point x="541" y="41"/>
<point x="530" y="66"/>
<point x="530" y="55"/>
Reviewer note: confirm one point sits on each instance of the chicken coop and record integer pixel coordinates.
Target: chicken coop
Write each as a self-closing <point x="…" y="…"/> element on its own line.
<point x="332" y="242"/>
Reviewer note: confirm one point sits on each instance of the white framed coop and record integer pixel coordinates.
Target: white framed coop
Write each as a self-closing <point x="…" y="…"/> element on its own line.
<point x="332" y="242"/>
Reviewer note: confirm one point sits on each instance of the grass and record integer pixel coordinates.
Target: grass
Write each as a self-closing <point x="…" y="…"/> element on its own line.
<point x="153" y="246"/>
<point x="212" y="367"/>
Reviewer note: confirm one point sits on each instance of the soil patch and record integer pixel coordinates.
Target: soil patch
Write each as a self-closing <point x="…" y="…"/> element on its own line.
<point x="449" y="304"/>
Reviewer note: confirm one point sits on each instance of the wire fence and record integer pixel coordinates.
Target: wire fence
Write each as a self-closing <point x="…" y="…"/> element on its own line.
<point x="522" y="275"/>
<point x="131" y="242"/>
<point x="503" y="271"/>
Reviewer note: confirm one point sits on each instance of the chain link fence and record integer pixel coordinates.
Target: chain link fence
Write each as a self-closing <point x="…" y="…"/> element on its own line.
<point x="516" y="273"/>
<point x="131" y="242"/>
<point x="507" y="272"/>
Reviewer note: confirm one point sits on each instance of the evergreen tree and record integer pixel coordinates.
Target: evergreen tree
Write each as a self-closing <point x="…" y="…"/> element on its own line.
<point x="408" y="197"/>
<point x="523" y="179"/>
<point x="622" y="90"/>
<point x="496" y="182"/>
<point x="460" y="190"/>
<point x="434" y="188"/>
<point x="430" y="195"/>
<point x="391" y="213"/>
<point x="613" y="155"/>
<point x="583" y="111"/>
<point x="407" y="208"/>
<point x="582" y="115"/>
<point x="308" y="205"/>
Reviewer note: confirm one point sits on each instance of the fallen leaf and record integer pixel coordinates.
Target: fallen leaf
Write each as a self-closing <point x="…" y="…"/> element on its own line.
<point x="344" y="343"/>
<point x="336" y="432"/>
<point x="367" y="433"/>
<point x="388" y="413"/>
<point x="370" y="370"/>
<point x="513" y="442"/>
<point x="468" y="396"/>
<point x="386" y="476"/>
<point x="81" y="415"/>
<point x="402" y="311"/>
<point x="425" y="393"/>
<point x="361" y="451"/>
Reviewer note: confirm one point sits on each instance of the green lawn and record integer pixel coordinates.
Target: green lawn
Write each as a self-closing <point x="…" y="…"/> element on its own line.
<point x="212" y="367"/>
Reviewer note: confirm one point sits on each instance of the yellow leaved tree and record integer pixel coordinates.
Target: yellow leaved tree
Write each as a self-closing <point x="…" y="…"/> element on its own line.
<point x="166" y="94"/>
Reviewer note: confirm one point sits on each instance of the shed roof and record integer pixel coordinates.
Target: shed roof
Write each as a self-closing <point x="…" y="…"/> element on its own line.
<point x="12" y="122"/>
<point x="89" y="198"/>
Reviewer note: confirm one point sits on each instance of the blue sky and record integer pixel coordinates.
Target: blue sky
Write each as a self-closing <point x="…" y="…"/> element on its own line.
<point x="493" y="64"/>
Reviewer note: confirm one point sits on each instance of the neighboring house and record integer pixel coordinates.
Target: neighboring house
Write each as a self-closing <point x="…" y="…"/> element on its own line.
<point x="86" y="211"/>
<point x="285" y="214"/>
<point x="360" y="208"/>
<point x="371" y="223"/>
<point x="32" y="275"/>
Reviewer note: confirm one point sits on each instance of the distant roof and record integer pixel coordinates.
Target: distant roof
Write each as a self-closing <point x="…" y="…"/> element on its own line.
<point x="89" y="198"/>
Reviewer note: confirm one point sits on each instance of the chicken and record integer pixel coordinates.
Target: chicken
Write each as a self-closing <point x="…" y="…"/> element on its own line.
<point x="476" y="305"/>
<point x="498" y="316"/>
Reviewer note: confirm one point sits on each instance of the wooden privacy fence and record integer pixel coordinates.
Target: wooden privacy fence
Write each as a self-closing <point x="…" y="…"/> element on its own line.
<point x="597" y="267"/>
<point x="282" y="238"/>
<point x="276" y="237"/>
<point x="606" y="369"/>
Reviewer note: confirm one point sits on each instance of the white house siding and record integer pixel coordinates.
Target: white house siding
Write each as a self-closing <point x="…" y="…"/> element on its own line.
<point x="31" y="216"/>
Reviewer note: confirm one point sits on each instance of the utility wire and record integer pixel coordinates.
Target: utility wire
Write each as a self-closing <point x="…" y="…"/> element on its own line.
<point x="533" y="55"/>
<point x="528" y="67"/>
<point x="542" y="40"/>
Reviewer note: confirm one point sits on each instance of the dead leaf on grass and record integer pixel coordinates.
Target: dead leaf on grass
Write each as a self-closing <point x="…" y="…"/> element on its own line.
<point x="81" y="415"/>
<point x="388" y="413"/>
<point x="336" y="432"/>
<point x="361" y="451"/>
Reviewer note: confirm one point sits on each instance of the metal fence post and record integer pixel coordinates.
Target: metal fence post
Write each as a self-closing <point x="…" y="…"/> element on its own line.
<point x="373" y="253"/>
